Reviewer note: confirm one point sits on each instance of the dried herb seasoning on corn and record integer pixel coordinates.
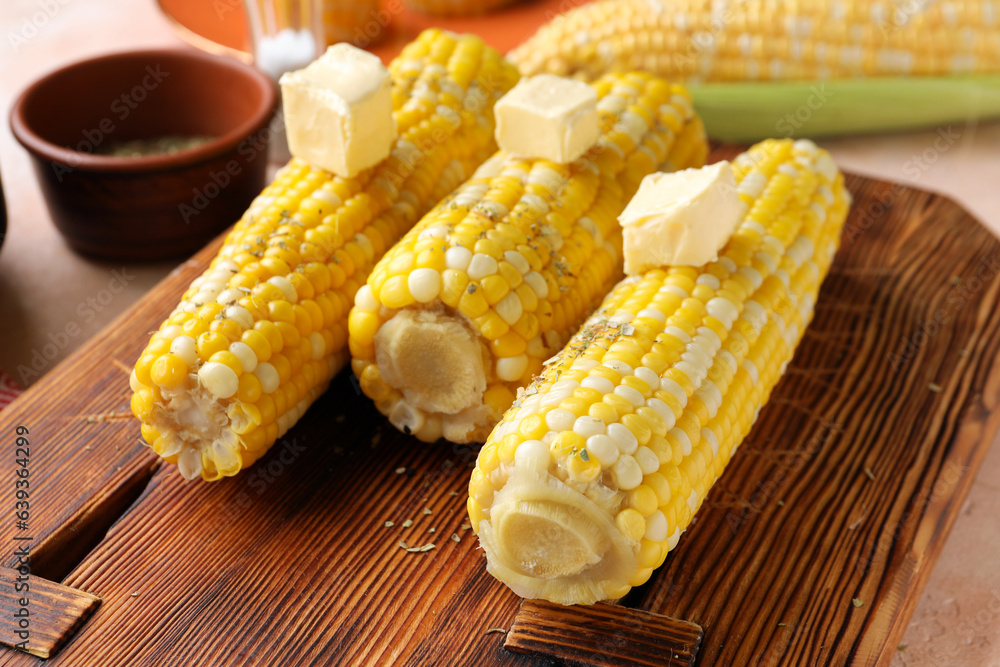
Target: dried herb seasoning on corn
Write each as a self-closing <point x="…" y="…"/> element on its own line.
<point x="256" y="339"/>
<point x="593" y="475"/>
<point x="462" y="312"/>
<point x="691" y="40"/>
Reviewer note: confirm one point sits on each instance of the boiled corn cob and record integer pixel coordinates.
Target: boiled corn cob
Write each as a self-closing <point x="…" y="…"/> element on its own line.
<point x="593" y="475"/>
<point x="698" y="40"/>
<point x="256" y="339"/>
<point x="457" y="7"/>
<point x="462" y="312"/>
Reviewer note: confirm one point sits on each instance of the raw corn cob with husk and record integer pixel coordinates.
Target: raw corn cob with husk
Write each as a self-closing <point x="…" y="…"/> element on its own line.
<point x="458" y="7"/>
<point x="593" y="475"/>
<point x="699" y="40"/>
<point x="257" y="338"/>
<point x="462" y="312"/>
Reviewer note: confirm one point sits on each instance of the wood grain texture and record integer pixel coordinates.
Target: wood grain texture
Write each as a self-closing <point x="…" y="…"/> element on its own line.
<point x="54" y="612"/>
<point x="602" y="635"/>
<point x="291" y="561"/>
<point x="856" y="470"/>
<point x="87" y="464"/>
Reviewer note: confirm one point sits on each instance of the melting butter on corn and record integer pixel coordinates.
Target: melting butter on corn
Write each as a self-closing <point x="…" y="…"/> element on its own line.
<point x="338" y="111"/>
<point x="548" y="117"/>
<point x="681" y="218"/>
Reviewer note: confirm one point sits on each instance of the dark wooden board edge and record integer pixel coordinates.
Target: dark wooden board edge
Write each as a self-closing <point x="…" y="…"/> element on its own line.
<point x="87" y="460"/>
<point x="39" y="616"/>
<point x="603" y="635"/>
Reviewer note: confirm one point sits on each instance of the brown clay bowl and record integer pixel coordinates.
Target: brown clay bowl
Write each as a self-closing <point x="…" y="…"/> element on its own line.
<point x="155" y="206"/>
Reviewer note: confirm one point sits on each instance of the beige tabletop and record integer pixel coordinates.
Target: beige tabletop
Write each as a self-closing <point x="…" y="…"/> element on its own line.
<point x="45" y="288"/>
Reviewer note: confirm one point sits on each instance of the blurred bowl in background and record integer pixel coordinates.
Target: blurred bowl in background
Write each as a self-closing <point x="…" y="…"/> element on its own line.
<point x="3" y="216"/>
<point x="214" y="111"/>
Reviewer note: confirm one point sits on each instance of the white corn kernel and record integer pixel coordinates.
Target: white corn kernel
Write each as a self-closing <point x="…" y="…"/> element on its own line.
<point x="647" y="460"/>
<point x="286" y="286"/>
<point x="537" y="283"/>
<point x="603" y="385"/>
<point x="656" y="527"/>
<point x="246" y="355"/>
<point x="510" y="369"/>
<point x="481" y="265"/>
<point x="517" y="260"/>
<point x="652" y="313"/>
<point x="268" y="376"/>
<point x="675" y="390"/>
<point x="186" y="349"/>
<point x="648" y="376"/>
<point x="682" y="438"/>
<point x="678" y="333"/>
<point x="588" y="426"/>
<point x="424" y="284"/>
<point x="509" y="308"/>
<point x="318" y="345"/>
<point x="708" y="435"/>
<point x="365" y="300"/>
<point x="604" y="449"/>
<point x="722" y="310"/>
<point x="220" y="380"/>
<point x="625" y="439"/>
<point x="631" y="395"/>
<point x="458" y="258"/>
<point x="627" y="473"/>
<point x="559" y="420"/>
<point x="532" y="454"/>
<point x="240" y="315"/>
<point x="619" y="367"/>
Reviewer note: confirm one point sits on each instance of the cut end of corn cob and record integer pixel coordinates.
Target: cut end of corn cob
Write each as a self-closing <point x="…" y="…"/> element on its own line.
<point x="464" y="310"/>
<point x="590" y="479"/>
<point x="257" y="338"/>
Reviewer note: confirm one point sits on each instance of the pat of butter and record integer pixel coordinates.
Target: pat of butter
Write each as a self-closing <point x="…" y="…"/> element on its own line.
<point x="338" y="111"/>
<point x="681" y="218"/>
<point x="548" y="116"/>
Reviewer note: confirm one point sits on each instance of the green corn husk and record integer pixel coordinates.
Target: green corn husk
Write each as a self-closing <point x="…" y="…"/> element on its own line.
<point x="749" y="112"/>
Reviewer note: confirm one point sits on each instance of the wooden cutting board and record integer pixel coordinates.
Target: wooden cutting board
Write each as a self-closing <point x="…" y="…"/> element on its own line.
<point x="812" y="549"/>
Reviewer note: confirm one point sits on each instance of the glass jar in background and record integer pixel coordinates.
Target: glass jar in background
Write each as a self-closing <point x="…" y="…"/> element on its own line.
<point x="285" y="35"/>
